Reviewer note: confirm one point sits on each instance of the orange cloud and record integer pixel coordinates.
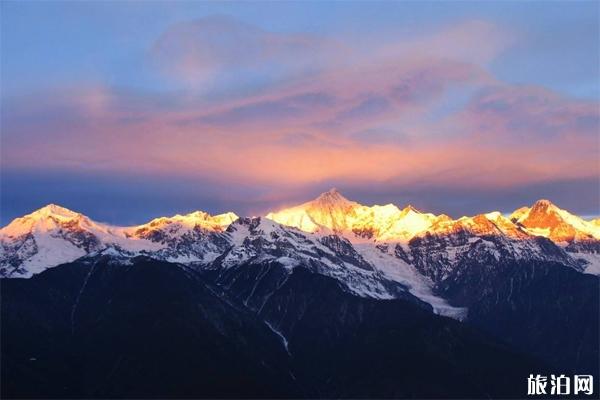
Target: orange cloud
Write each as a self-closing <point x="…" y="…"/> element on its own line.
<point x="369" y="119"/>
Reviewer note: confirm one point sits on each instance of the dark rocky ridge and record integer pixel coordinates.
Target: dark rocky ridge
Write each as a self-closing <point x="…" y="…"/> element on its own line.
<point x="144" y="328"/>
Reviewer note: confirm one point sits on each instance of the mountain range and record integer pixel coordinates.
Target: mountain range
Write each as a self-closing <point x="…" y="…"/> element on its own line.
<point x="379" y="235"/>
<point x="329" y="298"/>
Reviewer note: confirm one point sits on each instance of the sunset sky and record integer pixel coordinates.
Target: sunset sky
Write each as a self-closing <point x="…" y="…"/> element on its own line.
<point x="129" y="110"/>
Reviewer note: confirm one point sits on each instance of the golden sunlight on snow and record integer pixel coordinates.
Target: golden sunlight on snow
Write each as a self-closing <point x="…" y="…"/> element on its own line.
<point x="333" y="212"/>
<point x="546" y="219"/>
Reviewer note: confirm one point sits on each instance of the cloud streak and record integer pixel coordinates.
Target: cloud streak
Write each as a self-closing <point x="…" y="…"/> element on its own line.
<point x="326" y="111"/>
<point x="219" y="47"/>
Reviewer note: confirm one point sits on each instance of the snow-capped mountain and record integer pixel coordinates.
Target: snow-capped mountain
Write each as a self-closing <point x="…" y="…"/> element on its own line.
<point x="374" y="251"/>
<point x="577" y="236"/>
<point x="546" y="219"/>
<point x="433" y="244"/>
<point x="366" y="272"/>
<point x="167" y="228"/>
<point x="346" y="271"/>
<point x="486" y="239"/>
<point x="54" y="235"/>
<point x="194" y="237"/>
<point x="332" y="212"/>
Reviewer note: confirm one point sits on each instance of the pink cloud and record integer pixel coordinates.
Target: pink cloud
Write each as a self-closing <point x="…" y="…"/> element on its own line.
<point x="202" y="50"/>
<point x="306" y="130"/>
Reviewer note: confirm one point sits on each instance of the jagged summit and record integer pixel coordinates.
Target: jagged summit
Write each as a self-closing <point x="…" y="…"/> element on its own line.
<point x="332" y="193"/>
<point x="332" y="198"/>
<point x="48" y="211"/>
<point x="53" y="216"/>
<point x="546" y="219"/>
<point x="42" y="219"/>
<point x="194" y="219"/>
<point x="544" y="207"/>
<point x="543" y="203"/>
<point x="55" y="210"/>
<point x="332" y="212"/>
<point x="53" y="234"/>
<point x="411" y="208"/>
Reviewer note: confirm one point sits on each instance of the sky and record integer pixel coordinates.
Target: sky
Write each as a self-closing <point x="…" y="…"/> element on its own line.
<point x="127" y="110"/>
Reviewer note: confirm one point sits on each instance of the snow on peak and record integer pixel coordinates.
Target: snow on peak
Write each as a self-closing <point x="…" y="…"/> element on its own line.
<point x="494" y="215"/>
<point x="489" y="224"/>
<point x="56" y="211"/>
<point x="548" y="220"/>
<point x="332" y="212"/>
<point x="44" y="219"/>
<point x="409" y="208"/>
<point x="47" y="237"/>
<point x="519" y="213"/>
<point x="190" y="221"/>
<point x="329" y="203"/>
<point x="54" y="235"/>
<point x="544" y="203"/>
<point x="332" y="197"/>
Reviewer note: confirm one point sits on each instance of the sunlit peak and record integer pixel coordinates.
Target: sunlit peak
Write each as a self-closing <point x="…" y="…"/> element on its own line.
<point x="333" y="212"/>
<point x="543" y="203"/>
<point x="332" y="196"/>
<point x="410" y="208"/>
<point x="54" y="210"/>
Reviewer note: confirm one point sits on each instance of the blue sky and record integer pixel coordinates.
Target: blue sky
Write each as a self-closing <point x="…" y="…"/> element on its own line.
<point x="56" y="43"/>
<point x="109" y="104"/>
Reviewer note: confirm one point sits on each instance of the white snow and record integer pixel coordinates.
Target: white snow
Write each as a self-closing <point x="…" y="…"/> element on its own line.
<point x="52" y="251"/>
<point x="333" y="213"/>
<point x="579" y="224"/>
<point x="288" y="262"/>
<point x="593" y="260"/>
<point x="283" y="339"/>
<point x="418" y="285"/>
<point x="52" y="225"/>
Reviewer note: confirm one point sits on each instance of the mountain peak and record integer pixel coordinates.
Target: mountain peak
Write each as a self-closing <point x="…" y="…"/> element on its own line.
<point x="54" y="210"/>
<point x="544" y="204"/>
<point x="331" y="196"/>
<point x="331" y="200"/>
<point x="194" y="219"/>
<point x="540" y="209"/>
<point x="43" y="219"/>
<point x="410" y="208"/>
<point x="331" y="211"/>
<point x="546" y="219"/>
